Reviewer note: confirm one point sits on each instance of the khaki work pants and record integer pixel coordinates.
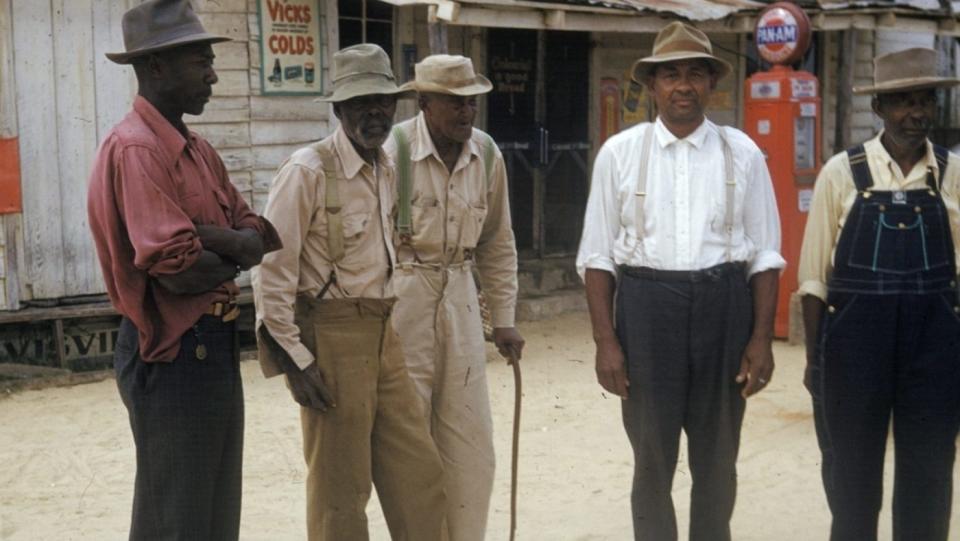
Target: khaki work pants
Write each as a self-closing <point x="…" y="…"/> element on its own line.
<point x="438" y="319"/>
<point x="375" y="434"/>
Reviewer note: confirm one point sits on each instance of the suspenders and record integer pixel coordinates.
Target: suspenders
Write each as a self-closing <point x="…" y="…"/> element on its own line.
<point x="730" y="184"/>
<point x="332" y="208"/>
<point x="405" y="180"/>
<point x="864" y="180"/>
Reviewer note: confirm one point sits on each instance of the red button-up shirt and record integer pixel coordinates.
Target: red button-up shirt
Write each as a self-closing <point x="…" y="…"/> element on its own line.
<point x="149" y="188"/>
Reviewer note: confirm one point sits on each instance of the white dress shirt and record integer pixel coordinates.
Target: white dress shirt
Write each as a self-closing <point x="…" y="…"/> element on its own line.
<point x="685" y="206"/>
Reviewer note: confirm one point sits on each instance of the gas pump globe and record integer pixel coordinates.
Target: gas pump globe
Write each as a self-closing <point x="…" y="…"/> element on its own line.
<point x="782" y="115"/>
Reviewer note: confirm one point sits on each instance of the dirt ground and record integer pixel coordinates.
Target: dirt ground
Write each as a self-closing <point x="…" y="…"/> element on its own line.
<point x="67" y="459"/>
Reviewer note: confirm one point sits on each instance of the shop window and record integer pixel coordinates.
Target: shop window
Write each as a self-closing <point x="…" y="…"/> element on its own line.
<point x="366" y="21"/>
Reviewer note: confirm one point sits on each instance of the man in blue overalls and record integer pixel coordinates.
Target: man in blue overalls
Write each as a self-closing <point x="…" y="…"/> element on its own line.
<point x="878" y="273"/>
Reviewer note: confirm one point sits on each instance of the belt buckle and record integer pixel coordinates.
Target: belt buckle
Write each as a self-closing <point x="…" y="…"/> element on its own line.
<point x="225" y="311"/>
<point x="713" y="274"/>
<point x="232" y="312"/>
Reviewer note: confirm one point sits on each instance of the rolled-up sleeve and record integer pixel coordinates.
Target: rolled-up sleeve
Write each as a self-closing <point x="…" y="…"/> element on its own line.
<point x="289" y="208"/>
<point x="497" y="252"/>
<point x="761" y="220"/>
<point x="816" y="253"/>
<point x="601" y="221"/>
<point x="164" y="239"/>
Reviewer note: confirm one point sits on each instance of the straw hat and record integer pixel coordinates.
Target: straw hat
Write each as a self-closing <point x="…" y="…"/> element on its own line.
<point x="448" y="74"/>
<point x="910" y="69"/>
<point x="679" y="41"/>
<point x="362" y="70"/>
<point x="157" y="25"/>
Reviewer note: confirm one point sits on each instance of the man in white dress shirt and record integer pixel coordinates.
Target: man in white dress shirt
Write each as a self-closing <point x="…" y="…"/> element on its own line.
<point x="682" y="225"/>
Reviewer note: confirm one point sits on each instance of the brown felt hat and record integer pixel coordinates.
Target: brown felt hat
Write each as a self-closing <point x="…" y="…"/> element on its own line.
<point x="362" y="70"/>
<point x="157" y="25"/>
<point x="448" y="74"/>
<point x="679" y="41"/>
<point x="902" y="71"/>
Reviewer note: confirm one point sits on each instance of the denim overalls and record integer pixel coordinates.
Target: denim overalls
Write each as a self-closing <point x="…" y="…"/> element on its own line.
<point x="889" y="342"/>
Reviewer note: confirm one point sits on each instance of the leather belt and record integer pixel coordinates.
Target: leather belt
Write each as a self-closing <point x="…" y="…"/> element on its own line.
<point x="711" y="274"/>
<point x="226" y="311"/>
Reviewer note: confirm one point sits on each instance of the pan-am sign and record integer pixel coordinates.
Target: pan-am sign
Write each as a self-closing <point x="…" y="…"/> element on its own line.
<point x="782" y="33"/>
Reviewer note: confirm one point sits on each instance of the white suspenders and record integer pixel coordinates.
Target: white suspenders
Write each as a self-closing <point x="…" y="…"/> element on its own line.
<point x="730" y="183"/>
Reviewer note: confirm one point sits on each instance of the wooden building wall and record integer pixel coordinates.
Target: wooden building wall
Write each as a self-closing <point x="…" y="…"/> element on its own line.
<point x="68" y="96"/>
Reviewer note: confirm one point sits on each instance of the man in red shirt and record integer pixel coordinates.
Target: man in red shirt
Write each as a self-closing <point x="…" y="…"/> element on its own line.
<point x="172" y="233"/>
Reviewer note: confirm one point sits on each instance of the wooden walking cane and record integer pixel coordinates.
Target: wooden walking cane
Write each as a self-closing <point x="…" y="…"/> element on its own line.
<point x="516" y="442"/>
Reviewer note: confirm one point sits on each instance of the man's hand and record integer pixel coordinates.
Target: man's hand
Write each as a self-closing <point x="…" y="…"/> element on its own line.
<point x="509" y="343"/>
<point x="241" y="245"/>
<point x="611" y="368"/>
<point x="308" y="387"/>
<point x="756" y="366"/>
<point x="808" y="370"/>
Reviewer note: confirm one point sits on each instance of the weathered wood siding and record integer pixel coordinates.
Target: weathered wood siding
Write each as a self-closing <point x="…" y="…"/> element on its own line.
<point x="68" y="96"/>
<point x="255" y="133"/>
<point x="10" y="240"/>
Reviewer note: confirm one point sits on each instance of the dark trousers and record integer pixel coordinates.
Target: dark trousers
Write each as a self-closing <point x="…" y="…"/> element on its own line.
<point x="883" y="355"/>
<point x="683" y="342"/>
<point x="187" y="423"/>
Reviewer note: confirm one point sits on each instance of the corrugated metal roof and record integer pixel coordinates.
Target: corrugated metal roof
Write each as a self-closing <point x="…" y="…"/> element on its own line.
<point x="929" y="5"/>
<point x="695" y="10"/>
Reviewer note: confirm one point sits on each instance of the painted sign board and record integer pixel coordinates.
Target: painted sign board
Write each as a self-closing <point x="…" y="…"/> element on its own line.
<point x="782" y="33"/>
<point x="290" y="47"/>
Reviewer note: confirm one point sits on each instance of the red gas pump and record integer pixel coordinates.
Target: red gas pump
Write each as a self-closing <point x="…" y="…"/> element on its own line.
<point x="782" y="115"/>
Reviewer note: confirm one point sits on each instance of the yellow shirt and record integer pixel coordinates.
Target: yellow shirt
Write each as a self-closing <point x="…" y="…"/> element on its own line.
<point x="460" y="211"/>
<point x="296" y="208"/>
<point x="835" y="192"/>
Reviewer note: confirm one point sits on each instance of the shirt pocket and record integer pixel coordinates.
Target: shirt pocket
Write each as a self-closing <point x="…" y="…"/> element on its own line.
<point x="471" y="226"/>
<point x="427" y="221"/>
<point x="190" y="203"/>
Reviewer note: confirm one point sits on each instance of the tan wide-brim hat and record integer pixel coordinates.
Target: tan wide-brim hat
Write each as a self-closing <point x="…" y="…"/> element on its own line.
<point x="679" y="41"/>
<point x="158" y="25"/>
<point x="362" y="70"/>
<point x="902" y="71"/>
<point x="448" y="74"/>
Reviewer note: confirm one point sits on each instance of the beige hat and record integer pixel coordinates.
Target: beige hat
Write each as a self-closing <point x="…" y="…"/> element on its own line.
<point x="157" y="25"/>
<point x="910" y="69"/>
<point x="679" y="41"/>
<point x="362" y="70"/>
<point x="448" y="74"/>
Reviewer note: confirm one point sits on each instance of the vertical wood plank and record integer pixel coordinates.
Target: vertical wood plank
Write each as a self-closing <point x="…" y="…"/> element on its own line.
<point x="77" y="131"/>
<point x="115" y="84"/>
<point x="39" y="147"/>
<point x="8" y="109"/>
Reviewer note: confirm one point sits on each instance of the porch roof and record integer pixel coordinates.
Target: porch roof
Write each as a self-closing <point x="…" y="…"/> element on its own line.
<point x="736" y="16"/>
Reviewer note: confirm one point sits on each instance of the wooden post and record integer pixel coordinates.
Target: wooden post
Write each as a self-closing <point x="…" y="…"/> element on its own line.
<point x="845" y="71"/>
<point x="438" y="37"/>
<point x="436" y="32"/>
<point x="539" y="172"/>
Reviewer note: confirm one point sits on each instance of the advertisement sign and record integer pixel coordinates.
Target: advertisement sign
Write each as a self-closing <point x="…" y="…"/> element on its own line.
<point x="782" y="33"/>
<point x="290" y="46"/>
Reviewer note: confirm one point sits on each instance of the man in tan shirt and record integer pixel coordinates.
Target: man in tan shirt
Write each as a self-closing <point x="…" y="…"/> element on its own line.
<point x="878" y="276"/>
<point x="323" y="319"/>
<point x="459" y="216"/>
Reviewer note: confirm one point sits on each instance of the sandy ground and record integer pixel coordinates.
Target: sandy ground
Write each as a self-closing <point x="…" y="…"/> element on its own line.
<point x="67" y="459"/>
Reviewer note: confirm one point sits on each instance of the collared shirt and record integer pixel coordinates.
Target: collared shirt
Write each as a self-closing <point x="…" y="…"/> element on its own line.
<point x="685" y="210"/>
<point x="461" y="212"/>
<point x="296" y="206"/>
<point x="149" y="188"/>
<point x="835" y="193"/>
